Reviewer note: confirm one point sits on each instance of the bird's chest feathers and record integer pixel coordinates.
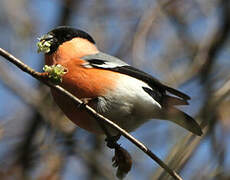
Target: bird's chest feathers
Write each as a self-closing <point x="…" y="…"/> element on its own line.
<point x="89" y="83"/>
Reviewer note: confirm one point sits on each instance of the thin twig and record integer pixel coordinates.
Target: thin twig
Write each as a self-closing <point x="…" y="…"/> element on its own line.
<point x="88" y="109"/>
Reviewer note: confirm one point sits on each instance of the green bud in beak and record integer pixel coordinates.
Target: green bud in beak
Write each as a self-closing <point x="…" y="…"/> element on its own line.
<point x="44" y="43"/>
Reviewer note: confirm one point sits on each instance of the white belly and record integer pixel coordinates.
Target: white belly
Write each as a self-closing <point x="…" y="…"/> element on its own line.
<point x="128" y="105"/>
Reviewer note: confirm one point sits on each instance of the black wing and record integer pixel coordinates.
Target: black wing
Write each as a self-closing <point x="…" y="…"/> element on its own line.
<point x="105" y="61"/>
<point x="151" y="81"/>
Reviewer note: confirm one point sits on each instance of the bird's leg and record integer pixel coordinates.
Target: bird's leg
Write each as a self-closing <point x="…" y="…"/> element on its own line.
<point x="86" y="101"/>
<point x="112" y="141"/>
<point x="122" y="160"/>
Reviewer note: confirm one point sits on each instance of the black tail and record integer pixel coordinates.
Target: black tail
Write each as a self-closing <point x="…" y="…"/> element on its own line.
<point x="181" y="118"/>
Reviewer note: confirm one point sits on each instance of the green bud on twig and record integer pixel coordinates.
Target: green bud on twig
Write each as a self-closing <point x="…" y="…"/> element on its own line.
<point x="55" y="72"/>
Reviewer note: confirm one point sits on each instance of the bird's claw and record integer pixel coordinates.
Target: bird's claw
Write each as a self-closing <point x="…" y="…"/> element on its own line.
<point x="122" y="161"/>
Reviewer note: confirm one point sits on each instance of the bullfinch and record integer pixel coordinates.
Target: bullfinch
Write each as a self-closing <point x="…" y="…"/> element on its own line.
<point x="126" y="95"/>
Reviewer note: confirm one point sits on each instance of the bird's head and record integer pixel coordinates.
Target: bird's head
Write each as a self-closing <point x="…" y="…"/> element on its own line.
<point x="50" y="42"/>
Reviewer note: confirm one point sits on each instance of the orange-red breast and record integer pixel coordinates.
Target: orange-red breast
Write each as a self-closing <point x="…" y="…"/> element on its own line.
<point x="124" y="94"/>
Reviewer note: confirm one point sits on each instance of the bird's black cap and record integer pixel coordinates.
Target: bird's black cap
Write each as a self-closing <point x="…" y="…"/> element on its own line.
<point x="65" y="33"/>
